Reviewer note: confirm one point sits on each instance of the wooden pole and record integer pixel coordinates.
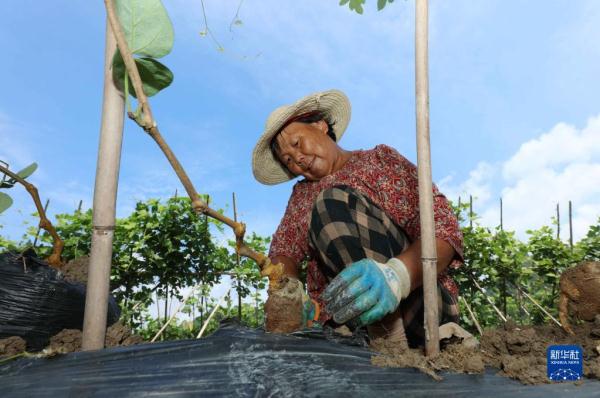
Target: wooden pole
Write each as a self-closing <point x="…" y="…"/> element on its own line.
<point x="501" y="221"/>
<point x="471" y="211"/>
<point x="428" y="243"/>
<point x="237" y="260"/>
<point x="570" y="225"/>
<point x="557" y="222"/>
<point x="105" y="196"/>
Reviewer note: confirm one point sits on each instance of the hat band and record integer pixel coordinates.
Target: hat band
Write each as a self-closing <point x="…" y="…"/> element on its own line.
<point x="296" y="118"/>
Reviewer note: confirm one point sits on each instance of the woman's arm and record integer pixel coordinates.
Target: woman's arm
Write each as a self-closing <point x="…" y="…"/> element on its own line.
<point x="411" y="257"/>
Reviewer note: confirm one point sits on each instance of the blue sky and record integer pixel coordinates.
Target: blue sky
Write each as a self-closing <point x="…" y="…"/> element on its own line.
<point x="514" y="88"/>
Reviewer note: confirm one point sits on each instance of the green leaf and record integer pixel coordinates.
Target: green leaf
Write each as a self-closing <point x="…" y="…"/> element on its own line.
<point x="342" y="2"/>
<point x="147" y="27"/>
<point x="27" y="171"/>
<point x="155" y="76"/>
<point x="5" y="201"/>
<point x="381" y="4"/>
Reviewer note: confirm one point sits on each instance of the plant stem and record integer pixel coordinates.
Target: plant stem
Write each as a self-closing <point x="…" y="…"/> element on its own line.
<point x="57" y="245"/>
<point x="273" y="271"/>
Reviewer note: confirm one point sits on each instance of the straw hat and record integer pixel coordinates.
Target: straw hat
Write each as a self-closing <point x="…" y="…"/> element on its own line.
<point x="335" y="107"/>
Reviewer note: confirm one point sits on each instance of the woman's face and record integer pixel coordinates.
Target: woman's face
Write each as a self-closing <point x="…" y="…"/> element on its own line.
<point x="306" y="150"/>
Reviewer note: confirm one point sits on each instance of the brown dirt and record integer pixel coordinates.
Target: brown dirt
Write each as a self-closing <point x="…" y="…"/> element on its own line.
<point x="454" y="357"/>
<point x="579" y="287"/>
<point x="283" y="309"/>
<point x="69" y="340"/>
<point x="11" y="346"/>
<point x="518" y="351"/>
<point x="76" y="270"/>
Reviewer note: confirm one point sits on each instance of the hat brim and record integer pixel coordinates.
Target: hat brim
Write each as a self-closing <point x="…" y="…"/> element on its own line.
<point x="334" y="105"/>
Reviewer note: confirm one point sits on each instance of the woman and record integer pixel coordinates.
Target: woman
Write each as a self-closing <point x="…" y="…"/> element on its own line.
<point x="354" y="216"/>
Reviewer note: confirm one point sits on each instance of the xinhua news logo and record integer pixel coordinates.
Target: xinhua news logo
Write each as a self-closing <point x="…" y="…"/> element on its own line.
<point x="564" y="362"/>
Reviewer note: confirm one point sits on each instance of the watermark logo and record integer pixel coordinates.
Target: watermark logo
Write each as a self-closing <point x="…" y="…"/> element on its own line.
<point x="564" y="362"/>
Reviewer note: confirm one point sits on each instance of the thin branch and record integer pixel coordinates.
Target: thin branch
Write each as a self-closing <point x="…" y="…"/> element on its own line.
<point x="185" y="299"/>
<point x="207" y="29"/>
<point x="57" y="245"/>
<point x="214" y="311"/>
<point x="539" y="306"/>
<point x="500" y="314"/>
<point x="236" y="17"/>
<point x="473" y="318"/>
<point x="273" y="271"/>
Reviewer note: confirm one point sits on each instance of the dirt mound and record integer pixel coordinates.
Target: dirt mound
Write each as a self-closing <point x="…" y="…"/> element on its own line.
<point x="69" y="340"/>
<point x="76" y="270"/>
<point x="453" y="357"/>
<point x="11" y="346"/>
<point x="518" y="351"/>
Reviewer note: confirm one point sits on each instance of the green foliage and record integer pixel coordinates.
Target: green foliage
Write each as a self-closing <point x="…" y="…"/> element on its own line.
<point x="507" y="268"/>
<point x="357" y="5"/>
<point x="155" y="76"/>
<point x="588" y="248"/>
<point x="9" y="182"/>
<point x="147" y="27"/>
<point x="149" y="34"/>
<point x="5" y="201"/>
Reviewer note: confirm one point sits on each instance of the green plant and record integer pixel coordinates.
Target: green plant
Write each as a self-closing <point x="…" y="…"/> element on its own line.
<point x="8" y="182"/>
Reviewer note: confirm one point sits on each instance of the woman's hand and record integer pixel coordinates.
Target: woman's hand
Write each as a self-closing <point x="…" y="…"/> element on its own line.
<point x="366" y="291"/>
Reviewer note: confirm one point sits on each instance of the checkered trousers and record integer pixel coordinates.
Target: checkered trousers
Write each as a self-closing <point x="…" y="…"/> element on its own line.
<point x="346" y="227"/>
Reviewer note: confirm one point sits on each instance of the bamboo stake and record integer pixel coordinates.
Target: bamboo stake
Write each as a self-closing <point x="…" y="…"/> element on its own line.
<point x="471" y="211"/>
<point x="212" y="314"/>
<point x="237" y="261"/>
<point x="428" y="241"/>
<point x="539" y="306"/>
<point x="570" y="226"/>
<point x="185" y="299"/>
<point x="500" y="314"/>
<point x="147" y="122"/>
<point x="472" y="315"/>
<point x="557" y="222"/>
<point x="501" y="221"/>
<point x="105" y="197"/>
<point x="58" y="245"/>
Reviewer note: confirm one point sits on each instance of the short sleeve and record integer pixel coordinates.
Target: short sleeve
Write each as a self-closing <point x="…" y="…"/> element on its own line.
<point x="290" y="238"/>
<point x="400" y="186"/>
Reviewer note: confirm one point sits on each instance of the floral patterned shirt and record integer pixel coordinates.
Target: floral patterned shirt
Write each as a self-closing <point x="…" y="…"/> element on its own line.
<point x="390" y="181"/>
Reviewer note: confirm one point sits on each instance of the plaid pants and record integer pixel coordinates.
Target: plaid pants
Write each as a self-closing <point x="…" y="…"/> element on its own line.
<point x="347" y="227"/>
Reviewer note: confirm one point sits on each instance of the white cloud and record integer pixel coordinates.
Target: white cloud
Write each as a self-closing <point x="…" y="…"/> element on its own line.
<point x="559" y="166"/>
<point x="478" y="184"/>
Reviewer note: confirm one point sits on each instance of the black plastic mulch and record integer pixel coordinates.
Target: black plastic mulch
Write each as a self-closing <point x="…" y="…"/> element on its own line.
<point x="236" y="361"/>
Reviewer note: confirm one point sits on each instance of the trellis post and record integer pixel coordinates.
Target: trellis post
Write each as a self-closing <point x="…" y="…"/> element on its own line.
<point x="428" y="242"/>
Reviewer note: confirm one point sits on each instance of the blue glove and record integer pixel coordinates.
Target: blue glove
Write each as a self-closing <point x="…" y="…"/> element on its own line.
<point x="366" y="291"/>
